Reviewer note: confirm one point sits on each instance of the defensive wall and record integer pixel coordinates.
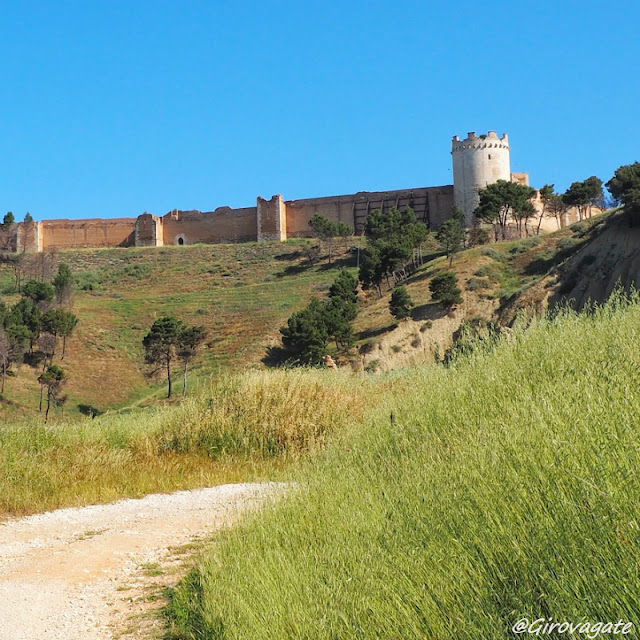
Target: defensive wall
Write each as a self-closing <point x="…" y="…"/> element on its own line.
<point x="477" y="162"/>
<point x="270" y="220"/>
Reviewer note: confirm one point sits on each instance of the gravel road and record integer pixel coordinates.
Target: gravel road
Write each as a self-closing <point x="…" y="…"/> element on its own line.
<point x="66" y="574"/>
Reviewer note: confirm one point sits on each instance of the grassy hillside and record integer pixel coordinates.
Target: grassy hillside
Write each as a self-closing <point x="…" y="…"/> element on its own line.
<point x="501" y="487"/>
<point x="582" y="261"/>
<point x="241" y="293"/>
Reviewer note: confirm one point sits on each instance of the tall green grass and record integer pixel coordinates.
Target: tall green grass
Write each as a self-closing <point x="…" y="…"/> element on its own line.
<point x="240" y="427"/>
<point x="506" y="485"/>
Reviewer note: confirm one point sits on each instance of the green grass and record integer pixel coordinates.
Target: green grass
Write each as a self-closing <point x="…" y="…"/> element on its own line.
<point x="236" y="428"/>
<point x="505" y="485"/>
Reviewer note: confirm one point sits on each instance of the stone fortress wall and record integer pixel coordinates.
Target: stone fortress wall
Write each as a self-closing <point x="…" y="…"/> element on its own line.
<point x="477" y="161"/>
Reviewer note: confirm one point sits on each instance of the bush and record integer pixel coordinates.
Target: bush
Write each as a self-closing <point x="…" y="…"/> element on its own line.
<point x="488" y="271"/>
<point x="496" y="255"/>
<point x="444" y="288"/>
<point x="566" y="244"/>
<point x="473" y="284"/>
<point x="580" y="228"/>
<point x="525" y="245"/>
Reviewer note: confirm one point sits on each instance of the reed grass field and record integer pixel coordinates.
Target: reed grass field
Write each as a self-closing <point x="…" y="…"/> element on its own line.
<point x="242" y="427"/>
<point x="503" y="486"/>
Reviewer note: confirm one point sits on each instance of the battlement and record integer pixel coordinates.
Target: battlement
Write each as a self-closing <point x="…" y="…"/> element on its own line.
<point x="472" y="141"/>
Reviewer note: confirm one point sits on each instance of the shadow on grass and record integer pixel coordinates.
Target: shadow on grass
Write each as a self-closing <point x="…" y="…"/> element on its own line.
<point x="89" y="410"/>
<point x="373" y="333"/>
<point x="429" y="311"/>
<point x="34" y="359"/>
<point x="341" y="263"/>
<point x="288" y="257"/>
<point x="276" y="357"/>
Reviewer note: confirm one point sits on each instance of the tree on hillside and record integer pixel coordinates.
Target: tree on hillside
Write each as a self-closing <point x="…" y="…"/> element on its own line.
<point x="501" y="202"/>
<point x="344" y="232"/>
<point x="400" y="304"/>
<point x="160" y="344"/>
<point x="583" y="195"/>
<point x="522" y="213"/>
<point x="63" y="285"/>
<point x="310" y="330"/>
<point x="41" y="293"/>
<point x="28" y="219"/>
<point x="5" y="355"/>
<point x="451" y="234"/>
<point x="625" y="187"/>
<point x="342" y="309"/>
<point x="324" y="230"/>
<point x="190" y="340"/>
<point x="345" y="290"/>
<point x="371" y="272"/>
<point x="26" y="314"/>
<point x="546" y="194"/>
<point x="59" y="322"/>
<point x="394" y="241"/>
<point x="8" y="219"/>
<point x="557" y="208"/>
<point x="306" y="334"/>
<point x="53" y="379"/>
<point x="444" y="288"/>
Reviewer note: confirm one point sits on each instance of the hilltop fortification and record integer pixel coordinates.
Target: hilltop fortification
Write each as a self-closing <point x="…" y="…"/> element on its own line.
<point x="477" y="162"/>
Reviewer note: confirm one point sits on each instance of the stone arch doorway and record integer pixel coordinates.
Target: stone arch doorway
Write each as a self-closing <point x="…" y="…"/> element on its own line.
<point x="180" y="240"/>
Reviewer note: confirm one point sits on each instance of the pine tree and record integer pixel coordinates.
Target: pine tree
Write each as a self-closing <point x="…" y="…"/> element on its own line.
<point x="400" y="304"/>
<point x="444" y="288"/>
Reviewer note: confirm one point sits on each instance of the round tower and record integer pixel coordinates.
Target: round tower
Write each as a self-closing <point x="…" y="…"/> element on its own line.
<point x="477" y="162"/>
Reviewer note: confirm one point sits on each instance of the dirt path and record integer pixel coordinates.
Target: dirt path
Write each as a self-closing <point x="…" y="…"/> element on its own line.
<point x="95" y="573"/>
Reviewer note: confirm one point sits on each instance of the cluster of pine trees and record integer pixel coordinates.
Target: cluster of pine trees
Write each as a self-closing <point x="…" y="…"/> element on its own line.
<point x="310" y="330"/>
<point x="35" y="329"/>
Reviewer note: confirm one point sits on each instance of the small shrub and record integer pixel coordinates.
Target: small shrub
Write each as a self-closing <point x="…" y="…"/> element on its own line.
<point x="368" y="346"/>
<point x="372" y="367"/>
<point x="396" y="348"/>
<point x="426" y="326"/>
<point x="473" y="284"/>
<point x="579" y="229"/>
<point x="566" y="244"/>
<point x="525" y="245"/>
<point x="494" y="254"/>
<point x="416" y="342"/>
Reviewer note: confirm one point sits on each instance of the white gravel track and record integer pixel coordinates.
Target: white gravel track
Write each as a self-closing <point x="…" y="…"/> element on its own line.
<point x="60" y="571"/>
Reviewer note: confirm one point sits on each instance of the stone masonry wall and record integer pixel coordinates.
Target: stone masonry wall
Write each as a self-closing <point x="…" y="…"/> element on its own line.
<point x="210" y="227"/>
<point x="74" y="234"/>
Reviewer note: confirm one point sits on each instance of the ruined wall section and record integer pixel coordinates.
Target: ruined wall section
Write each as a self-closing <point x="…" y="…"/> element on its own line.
<point x="149" y="231"/>
<point x="272" y="219"/>
<point x="432" y="205"/>
<point x="96" y="232"/>
<point x="210" y="227"/>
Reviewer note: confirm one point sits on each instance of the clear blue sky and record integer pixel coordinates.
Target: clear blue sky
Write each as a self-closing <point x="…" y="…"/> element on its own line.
<point x="114" y="107"/>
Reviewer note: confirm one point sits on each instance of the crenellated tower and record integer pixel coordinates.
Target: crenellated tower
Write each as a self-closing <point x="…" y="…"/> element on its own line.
<point x="477" y="162"/>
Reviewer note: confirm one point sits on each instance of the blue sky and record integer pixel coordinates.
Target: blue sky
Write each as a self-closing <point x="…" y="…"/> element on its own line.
<point x="113" y="107"/>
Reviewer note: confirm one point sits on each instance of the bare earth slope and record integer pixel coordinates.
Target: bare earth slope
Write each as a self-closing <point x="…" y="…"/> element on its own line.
<point x="64" y="575"/>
